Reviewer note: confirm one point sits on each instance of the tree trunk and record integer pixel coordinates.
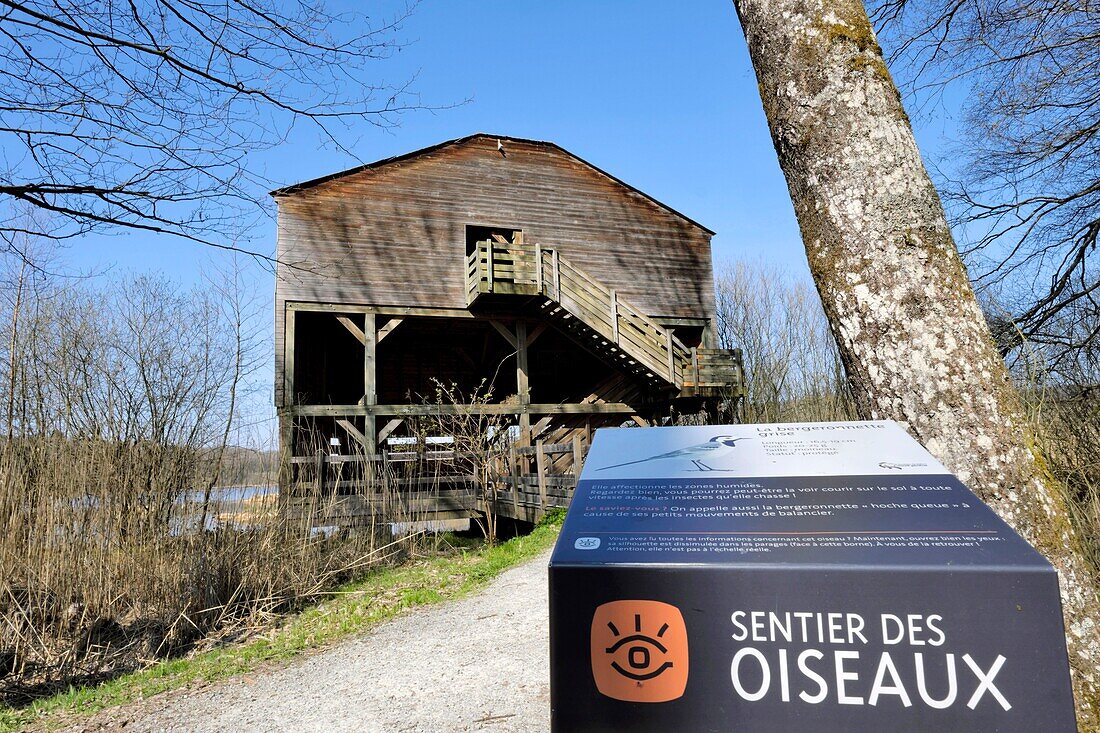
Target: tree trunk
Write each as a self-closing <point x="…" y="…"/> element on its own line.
<point x="911" y="334"/>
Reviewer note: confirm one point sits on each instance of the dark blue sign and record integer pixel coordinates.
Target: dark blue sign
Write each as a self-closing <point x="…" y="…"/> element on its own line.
<point x="717" y="593"/>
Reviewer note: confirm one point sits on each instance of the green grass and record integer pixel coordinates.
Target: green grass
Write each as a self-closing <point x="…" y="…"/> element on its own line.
<point x="354" y="607"/>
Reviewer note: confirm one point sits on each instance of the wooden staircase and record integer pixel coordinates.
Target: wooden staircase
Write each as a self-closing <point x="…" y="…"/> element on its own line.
<point x="596" y="316"/>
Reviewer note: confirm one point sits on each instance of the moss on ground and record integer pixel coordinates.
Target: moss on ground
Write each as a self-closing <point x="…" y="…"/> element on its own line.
<point x="352" y="608"/>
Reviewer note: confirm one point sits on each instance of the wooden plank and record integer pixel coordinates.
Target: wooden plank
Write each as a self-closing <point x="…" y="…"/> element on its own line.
<point x="357" y="436"/>
<point x="503" y="287"/>
<point x="389" y="328"/>
<point x="388" y="428"/>
<point x="547" y="448"/>
<point x="566" y="408"/>
<point x="615" y="315"/>
<point x="379" y="310"/>
<point x="352" y="328"/>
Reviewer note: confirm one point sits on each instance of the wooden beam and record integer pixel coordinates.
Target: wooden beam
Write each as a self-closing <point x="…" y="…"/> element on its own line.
<point x="535" y="333"/>
<point x="389" y="428"/>
<point x="640" y="421"/>
<point x="668" y="322"/>
<point x="508" y="335"/>
<point x="538" y="428"/>
<point x="568" y="408"/>
<point x="379" y="310"/>
<point x="352" y="328"/>
<point x="386" y="330"/>
<point x="357" y="436"/>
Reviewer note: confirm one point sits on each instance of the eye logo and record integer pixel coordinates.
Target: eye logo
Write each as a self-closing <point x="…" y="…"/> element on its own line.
<point x="639" y="651"/>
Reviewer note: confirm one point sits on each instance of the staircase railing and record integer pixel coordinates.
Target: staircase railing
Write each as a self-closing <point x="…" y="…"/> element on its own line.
<point x="499" y="268"/>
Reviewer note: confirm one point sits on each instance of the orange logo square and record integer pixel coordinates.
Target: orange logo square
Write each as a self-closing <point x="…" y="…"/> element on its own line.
<point x="639" y="651"/>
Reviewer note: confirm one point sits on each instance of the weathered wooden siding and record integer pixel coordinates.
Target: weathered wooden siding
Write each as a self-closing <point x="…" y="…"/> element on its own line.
<point x="395" y="235"/>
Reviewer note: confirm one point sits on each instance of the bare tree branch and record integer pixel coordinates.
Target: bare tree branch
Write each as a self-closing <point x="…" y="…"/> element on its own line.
<point x="142" y="115"/>
<point x="1025" y="191"/>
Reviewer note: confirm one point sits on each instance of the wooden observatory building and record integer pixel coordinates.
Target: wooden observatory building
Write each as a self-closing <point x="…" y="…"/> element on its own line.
<point x="492" y="265"/>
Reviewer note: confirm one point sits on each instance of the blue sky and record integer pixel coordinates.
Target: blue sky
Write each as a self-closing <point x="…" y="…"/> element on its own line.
<point x="660" y="94"/>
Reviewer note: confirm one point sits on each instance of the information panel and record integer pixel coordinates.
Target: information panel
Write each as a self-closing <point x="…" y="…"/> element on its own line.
<point x="795" y="577"/>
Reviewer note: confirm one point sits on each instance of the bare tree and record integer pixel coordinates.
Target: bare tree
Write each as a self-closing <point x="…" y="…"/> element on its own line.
<point x="912" y="337"/>
<point x="792" y="368"/>
<point x="1026" y="177"/>
<point x="142" y="115"/>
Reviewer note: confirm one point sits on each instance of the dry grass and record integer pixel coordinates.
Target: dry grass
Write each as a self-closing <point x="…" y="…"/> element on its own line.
<point x="104" y="567"/>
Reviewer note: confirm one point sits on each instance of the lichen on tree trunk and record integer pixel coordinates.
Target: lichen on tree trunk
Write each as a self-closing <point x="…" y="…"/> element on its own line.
<point x="911" y="334"/>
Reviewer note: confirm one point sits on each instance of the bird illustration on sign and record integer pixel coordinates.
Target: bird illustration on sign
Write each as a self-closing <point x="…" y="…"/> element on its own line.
<point x="717" y="447"/>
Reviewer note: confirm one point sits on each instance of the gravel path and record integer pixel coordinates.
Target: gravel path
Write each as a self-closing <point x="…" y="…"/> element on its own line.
<point x="470" y="665"/>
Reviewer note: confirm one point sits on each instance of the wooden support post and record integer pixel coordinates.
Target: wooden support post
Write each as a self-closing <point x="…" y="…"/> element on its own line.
<point x="671" y="356"/>
<point x="540" y="466"/>
<point x="289" y="398"/>
<point x="538" y="267"/>
<point x="320" y="465"/>
<point x="286" y="451"/>
<point x="557" y="276"/>
<point x="523" y="390"/>
<point x="370" y="380"/>
<point x="695" y="365"/>
<point x="615" y="316"/>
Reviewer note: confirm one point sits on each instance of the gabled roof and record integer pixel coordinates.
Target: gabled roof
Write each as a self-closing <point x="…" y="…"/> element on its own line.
<point x="304" y="185"/>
